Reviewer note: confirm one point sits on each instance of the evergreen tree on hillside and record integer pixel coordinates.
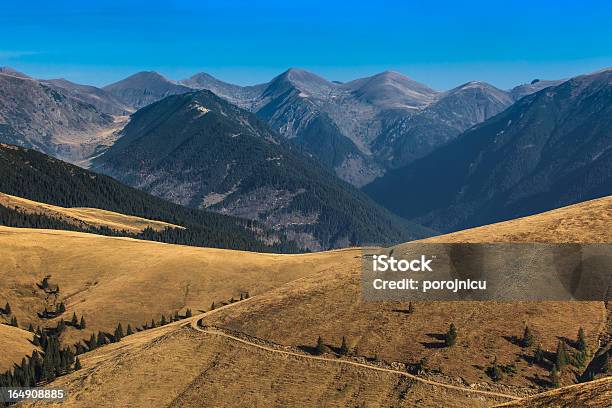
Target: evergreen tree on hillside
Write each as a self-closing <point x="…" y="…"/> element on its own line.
<point x="7" y="308"/>
<point x="129" y="330"/>
<point x="118" y="332"/>
<point x="561" y="355"/>
<point x="554" y="376"/>
<point x="410" y="308"/>
<point x="74" y="321"/>
<point x="101" y="339"/>
<point x="581" y="343"/>
<point x="320" y="348"/>
<point x="538" y="355"/>
<point x="77" y="364"/>
<point x="344" y="347"/>
<point x="527" y="340"/>
<point x="82" y="324"/>
<point x="14" y="322"/>
<point x="188" y="313"/>
<point x="451" y="336"/>
<point x="162" y="321"/>
<point x="495" y="371"/>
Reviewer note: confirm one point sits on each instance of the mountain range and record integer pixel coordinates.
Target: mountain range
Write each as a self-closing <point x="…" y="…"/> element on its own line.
<point x="549" y="149"/>
<point x="291" y="153"/>
<point x="199" y="150"/>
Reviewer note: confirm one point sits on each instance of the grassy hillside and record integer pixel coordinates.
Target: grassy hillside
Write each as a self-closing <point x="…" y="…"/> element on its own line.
<point x="586" y="222"/>
<point x="110" y="280"/>
<point x="262" y="353"/>
<point x="594" y="394"/>
<point x="16" y="343"/>
<point x="86" y="217"/>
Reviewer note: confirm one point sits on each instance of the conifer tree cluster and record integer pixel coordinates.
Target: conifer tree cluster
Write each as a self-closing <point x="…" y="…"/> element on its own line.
<point x="527" y="340"/>
<point x="53" y="362"/>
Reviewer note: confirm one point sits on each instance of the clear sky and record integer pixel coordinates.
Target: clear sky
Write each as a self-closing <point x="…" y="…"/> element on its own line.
<point x="440" y="43"/>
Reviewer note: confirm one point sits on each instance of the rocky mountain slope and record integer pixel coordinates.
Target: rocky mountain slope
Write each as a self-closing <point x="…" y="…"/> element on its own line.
<point x="549" y="149"/>
<point x="362" y="128"/>
<point x="102" y="100"/>
<point x="198" y="150"/>
<point x="37" y="115"/>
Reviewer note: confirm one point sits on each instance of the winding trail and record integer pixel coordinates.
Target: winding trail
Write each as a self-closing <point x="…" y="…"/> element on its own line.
<point x="196" y="324"/>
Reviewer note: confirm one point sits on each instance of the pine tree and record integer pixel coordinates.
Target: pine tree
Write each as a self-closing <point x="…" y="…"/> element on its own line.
<point x="82" y="324"/>
<point x="495" y="371"/>
<point x="189" y="313"/>
<point x="162" y="322"/>
<point x="153" y="324"/>
<point x="74" y="321"/>
<point x="31" y="328"/>
<point x="129" y="330"/>
<point x="451" y="336"/>
<point x="344" y="347"/>
<point x="7" y="308"/>
<point x="561" y="355"/>
<point x="14" y="322"/>
<point x="61" y="308"/>
<point x="527" y="340"/>
<point x="92" y="342"/>
<point x="118" y="332"/>
<point x="320" y="348"/>
<point x="538" y="355"/>
<point x="61" y="325"/>
<point x="212" y="307"/>
<point x="554" y="376"/>
<point x="246" y="295"/>
<point x="581" y="343"/>
<point x="77" y="364"/>
<point x="241" y="296"/>
<point x="101" y="339"/>
<point x="410" y="308"/>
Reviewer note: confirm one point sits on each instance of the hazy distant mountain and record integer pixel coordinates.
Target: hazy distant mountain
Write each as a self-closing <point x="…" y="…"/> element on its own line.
<point x="34" y="114"/>
<point x="238" y="95"/>
<point x="103" y="101"/>
<point x="144" y="88"/>
<point x="362" y="128"/>
<point x="405" y="138"/>
<point x="534" y="86"/>
<point x="549" y="149"/>
<point x="198" y="150"/>
<point x="391" y="90"/>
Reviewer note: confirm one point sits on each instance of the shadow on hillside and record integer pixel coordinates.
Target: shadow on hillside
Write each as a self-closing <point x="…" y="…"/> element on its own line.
<point x="436" y="344"/>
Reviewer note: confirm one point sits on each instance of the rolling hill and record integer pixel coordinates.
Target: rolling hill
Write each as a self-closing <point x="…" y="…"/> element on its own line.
<point x="198" y="150"/>
<point x="264" y="343"/>
<point x="548" y="150"/>
<point x="16" y="343"/>
<point x="88" y="217"/>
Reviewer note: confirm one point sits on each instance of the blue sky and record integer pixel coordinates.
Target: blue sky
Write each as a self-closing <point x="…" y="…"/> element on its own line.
<point x="440" y="43"/>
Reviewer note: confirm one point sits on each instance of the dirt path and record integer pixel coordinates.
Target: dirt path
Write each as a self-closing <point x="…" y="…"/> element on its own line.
<point x="195" y="324"/>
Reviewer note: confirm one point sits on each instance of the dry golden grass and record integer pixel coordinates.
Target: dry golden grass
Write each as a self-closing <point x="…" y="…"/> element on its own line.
<point x="587" y="222"/>
<point x="594" y="394"/>
<point x="15" y="343"/>
<point x="175" y="366"/>
<point x="299" y="297"/>
<point x="92" y="217"/>
<point x="110" y="280"/>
